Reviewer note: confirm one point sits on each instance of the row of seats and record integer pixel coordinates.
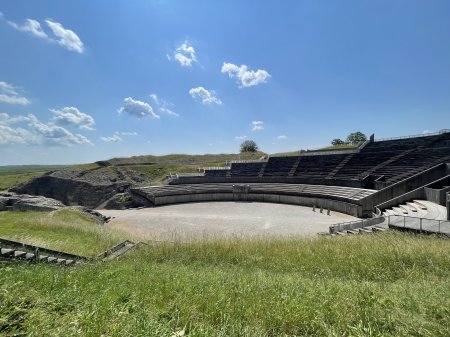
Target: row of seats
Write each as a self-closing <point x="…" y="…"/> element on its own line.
<point x="349" y="193"/>
<point x="393" y="159"/>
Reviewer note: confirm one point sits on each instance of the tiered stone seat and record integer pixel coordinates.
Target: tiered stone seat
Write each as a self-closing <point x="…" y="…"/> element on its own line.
<point x="246" y="169"/>
<point x="216" y="173"/>
<point x="317" y="166"/>
<point x="279" y="166"/>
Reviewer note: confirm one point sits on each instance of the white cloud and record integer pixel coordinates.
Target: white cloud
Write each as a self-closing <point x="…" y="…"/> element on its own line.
<point x="128" y="133"/>
<point x="72" y="116"/>
<point x="9" y="94"/>
<point x="282" y="137"/>
<point x="55" y="135"/>
<point x="207" y="96"/>
<point x="240" y="137"/>
<point x="15" y="136"/>
<point x="66" y="37"/>
<point x="34" y="132"/>
<point x="257" y="125"/>
<point x="137" y="108"/>
<point x="163" y="105"/>
<point x="113" y="139"/>
<point x="184" y="55"/>
<point x="31" y="26"/>
<point x="247" y="78"/>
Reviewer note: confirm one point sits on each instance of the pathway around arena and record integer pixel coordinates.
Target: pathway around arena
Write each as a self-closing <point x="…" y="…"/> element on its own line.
<point x="208" y="220"/>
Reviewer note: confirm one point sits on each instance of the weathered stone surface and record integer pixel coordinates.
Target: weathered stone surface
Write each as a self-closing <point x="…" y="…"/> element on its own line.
<point x="25" y="202"/>
<point x="90" y="188"/>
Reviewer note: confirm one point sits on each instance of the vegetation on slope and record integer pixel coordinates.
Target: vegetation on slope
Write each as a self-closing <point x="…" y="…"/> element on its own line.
<point x="67" y="230"/>
<point x="377" y="285"/>
<point x="155" y="168"/>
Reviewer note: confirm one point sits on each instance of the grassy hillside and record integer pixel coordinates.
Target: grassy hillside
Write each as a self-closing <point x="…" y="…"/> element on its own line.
<point x="156" y="168"/>
<point x="67" y="230"/>
<point x="377" y="285"/>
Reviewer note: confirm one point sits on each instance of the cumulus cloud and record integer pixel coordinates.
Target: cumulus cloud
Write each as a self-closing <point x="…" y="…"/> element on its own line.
<point x="55" y="135"/>
<point x="113" y="139"/>
<point x="9" y="94"/>
<point x="184" y="54"/>
<point x="163" y="105"/>
<point x="282" y="137"/>
<point x="247" y="78"/>
<point x="31" y="131"/>
<point x="257" y="125"/>
<point x="137" y="108"/>
<point x="240" y="137"/>
<point x="66" y="37"/>
<point x="15" y="136"/>
<point x="30" y="26"/>
<point x="128" y="133"/>
<point x="72" y="116"/>
<point x="206" y="96"/>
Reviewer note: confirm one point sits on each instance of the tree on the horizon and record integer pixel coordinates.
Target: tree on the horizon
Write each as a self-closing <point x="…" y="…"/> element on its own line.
<point x="356" y="138"/>
<point x="337" y="141"/>
<point x="249" y="146"/>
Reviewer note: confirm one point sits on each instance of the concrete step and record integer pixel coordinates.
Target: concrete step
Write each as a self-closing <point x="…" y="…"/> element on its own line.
<point x="379" y="229"/>
<point x="29" y="256"/>
<point x="52" y="259"/>
<point x="19" y="254"/>
<point x="352" y="231"/>
<point x="420" y="205"/>
<point x="365" y="230"/>
<point x="5" y="252"/>
<point x="341" y="233"/>
<point x="412" y="206"/>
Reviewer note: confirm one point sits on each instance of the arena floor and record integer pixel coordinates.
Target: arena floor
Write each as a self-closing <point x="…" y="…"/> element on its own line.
<point x="209" y="220"/>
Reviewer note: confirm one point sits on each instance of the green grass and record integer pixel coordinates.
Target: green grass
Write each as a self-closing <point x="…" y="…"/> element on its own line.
<point x="376" y="285"/>
<point x="338" y="147"/>
<point x="13" y="175"/>
<point x="67" y="230"/>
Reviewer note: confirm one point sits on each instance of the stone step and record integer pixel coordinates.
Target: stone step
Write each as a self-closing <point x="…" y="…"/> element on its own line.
<point x="379" y="229"/>
<point x="19" y="254"/>
<point x="352" y="231"/>
<point x="365" y="230"/>
<point x="5" y="252"/>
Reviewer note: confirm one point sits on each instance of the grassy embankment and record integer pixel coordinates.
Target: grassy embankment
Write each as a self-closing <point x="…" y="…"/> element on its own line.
<point x="376" y="285"/>
<point x="156" y="168"/>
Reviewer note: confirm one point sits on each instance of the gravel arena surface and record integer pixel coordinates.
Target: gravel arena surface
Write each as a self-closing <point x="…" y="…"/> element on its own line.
<point x="210" y="220"/>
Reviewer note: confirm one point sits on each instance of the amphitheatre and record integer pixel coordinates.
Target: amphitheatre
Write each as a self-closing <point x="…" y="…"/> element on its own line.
<point x="179" y="245"/>
<point x="369" y="187"/>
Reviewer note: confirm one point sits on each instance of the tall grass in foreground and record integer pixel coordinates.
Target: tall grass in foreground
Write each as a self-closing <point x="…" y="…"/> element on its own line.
<point x="67" y="230"/>
<point x="377" y="285"/>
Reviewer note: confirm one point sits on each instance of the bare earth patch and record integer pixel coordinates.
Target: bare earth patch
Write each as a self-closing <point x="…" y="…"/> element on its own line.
<point x="185" y="222"/>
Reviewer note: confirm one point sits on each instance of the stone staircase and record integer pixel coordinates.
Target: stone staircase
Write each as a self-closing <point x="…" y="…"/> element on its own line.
<point x="21" y="252"/>
<point x="385" y="163"/>
<point x="339" y="166"/>
<point x="261" y="171"/>
<point x="294" y="167"/>
<point x="363" y="230"/>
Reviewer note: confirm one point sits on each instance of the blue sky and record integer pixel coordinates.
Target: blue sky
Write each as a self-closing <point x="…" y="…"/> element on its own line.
<point x="87" y="80"/>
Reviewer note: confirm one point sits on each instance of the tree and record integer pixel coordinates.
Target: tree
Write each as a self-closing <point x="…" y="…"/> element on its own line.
<point x="337" y="141"/>
<point x="356" y="137"/>
<point x="249" y="146"/>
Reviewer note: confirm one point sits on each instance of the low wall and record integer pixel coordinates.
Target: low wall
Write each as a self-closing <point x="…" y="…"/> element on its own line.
<point x="425" y="192"/>
<point x="448" y="206"/>
<point x="438" y="196"/>
<point x="404" y="186"/>
<point x="365" y="183"/>
<point x="345" y="226"/>
<point x="334" y="205"/>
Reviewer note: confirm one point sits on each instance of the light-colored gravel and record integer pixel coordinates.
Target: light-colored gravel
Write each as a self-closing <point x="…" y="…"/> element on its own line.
<point x="207" y="220"/>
